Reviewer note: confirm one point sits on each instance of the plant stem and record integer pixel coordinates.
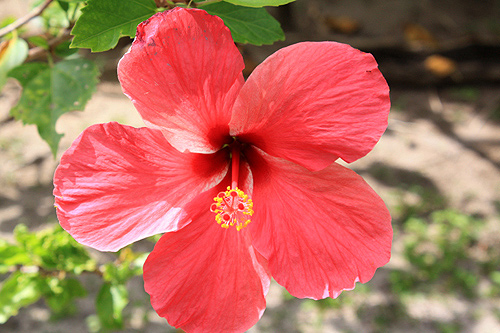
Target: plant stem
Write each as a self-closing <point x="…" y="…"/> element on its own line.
<point x="38" y="52"/>
<point x="25" y="19"/>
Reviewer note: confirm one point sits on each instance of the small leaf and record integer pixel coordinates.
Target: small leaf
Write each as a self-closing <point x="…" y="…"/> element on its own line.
<point x="49" y="92"/>
<point x="12" y="255"/>
<point x="39" y="41"/>
<point x="17" y="291"/>
<point x="54" y="250"/>
<point x="103" y="22"/>
<point x="128" y="265"/>
<point x="13" y="52"/>
<point x="64" y="5"/>
<point x="62" y="50"/>
<point x="248" y="25"/>
<point x="259" y="3"/>
<point x="61" y="294"/>
<point x="110" y="303"/>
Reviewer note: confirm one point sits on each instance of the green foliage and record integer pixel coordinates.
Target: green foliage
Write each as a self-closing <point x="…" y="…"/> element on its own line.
<point x="259" y="3"/>
<point x="63" y="50"/>
<point x="55" y="17"/>
<point x="39" y="263"/>
<point x="54" y="250"/>
<point x="60" y="293"/>
<point x="50" y="91"/>
<point x="439" y="252"/>
<point x="39" y="41"/>
<point x="110" y="302"/>
<point x="103" y="22"/>
<point x="44" y="265"/>
<point x="12" y="255"/>
<point x="248" y="25"/>
<point x="128" y="265"/>
<point x="495" y="281"/>
<point x="113" y="295"/>
<point x="19" y="290"/>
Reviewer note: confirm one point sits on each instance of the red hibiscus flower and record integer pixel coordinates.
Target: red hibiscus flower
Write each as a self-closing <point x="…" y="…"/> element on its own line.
<point x="255" y="158"/>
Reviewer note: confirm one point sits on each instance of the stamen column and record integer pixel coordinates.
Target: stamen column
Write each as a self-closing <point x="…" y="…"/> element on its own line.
<point x="233" y="207"/>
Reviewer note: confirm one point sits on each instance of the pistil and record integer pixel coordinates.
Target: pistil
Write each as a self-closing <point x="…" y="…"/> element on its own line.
<point x="235" y="164"/>
<point x="233" y="207"/>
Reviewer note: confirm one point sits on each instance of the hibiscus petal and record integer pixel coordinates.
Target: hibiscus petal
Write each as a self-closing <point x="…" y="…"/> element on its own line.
<point x="321" y="231"/>
<point x="204" y="278"/>
<point x="312" y="103"/>
<point x="183" y="73"/>
<point x="117" y="184"/>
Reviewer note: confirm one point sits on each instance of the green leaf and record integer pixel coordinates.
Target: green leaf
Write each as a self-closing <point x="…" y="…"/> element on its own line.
<point x="54" y="250"/>
<point x="55" y="18"/>
<point x="39" y="41"/>
<point x="62" y="50"/>
<point x="259" y="3"/>
<point x="13" y="52"/>
<point x="61" y="294"/>
<point x="64" y="5"/>
<point x="248" y="25"/>
<point x="49" y="92"/>
<point x="128" y="265"/>
<point x="12" y="255"/>
<point x="110" y="303"/>
<point x="20" y="289"/>
<point x="103" y="22"/>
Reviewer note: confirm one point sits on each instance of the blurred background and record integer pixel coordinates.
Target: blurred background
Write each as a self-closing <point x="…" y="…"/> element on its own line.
<point x="437" y="167"/>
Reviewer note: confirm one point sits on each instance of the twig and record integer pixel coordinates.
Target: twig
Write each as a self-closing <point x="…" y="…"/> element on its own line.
<point x="25" y="19"/>
<point x="38" y="51"/>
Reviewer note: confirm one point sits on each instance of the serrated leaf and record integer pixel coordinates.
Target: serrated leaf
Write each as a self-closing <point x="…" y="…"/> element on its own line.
<point x="17" y="291"/>
<point x="13" y="52"/>
<point x="110" y="303"/>
<point x="248" y="25"/>
<point x="259" y="3"/>
<point x="49" y="92"/>
<point x="103" y="22"/>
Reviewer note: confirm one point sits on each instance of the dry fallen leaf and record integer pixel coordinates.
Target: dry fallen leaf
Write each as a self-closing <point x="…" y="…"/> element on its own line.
<point x="440" y="66"/>
<point x="419" y="37"/>
<point x="343" y="24"/>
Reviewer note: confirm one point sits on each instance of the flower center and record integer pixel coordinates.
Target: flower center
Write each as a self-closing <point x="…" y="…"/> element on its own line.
<point x="232" y="208"/>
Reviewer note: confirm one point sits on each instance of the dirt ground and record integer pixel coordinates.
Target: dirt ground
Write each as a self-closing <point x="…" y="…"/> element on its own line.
<point x="443" y="136"/>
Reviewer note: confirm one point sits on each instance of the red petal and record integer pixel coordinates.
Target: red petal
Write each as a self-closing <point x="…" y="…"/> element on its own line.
<point x="118" y="184"/>
<point x="204" y="278"/>
<point x="312" y="103"/>
<point x="321" y="231"/>
<point x="183" y="73"/>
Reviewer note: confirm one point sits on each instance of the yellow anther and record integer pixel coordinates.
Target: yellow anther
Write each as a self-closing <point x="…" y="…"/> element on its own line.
<point x="230" y="208"/>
